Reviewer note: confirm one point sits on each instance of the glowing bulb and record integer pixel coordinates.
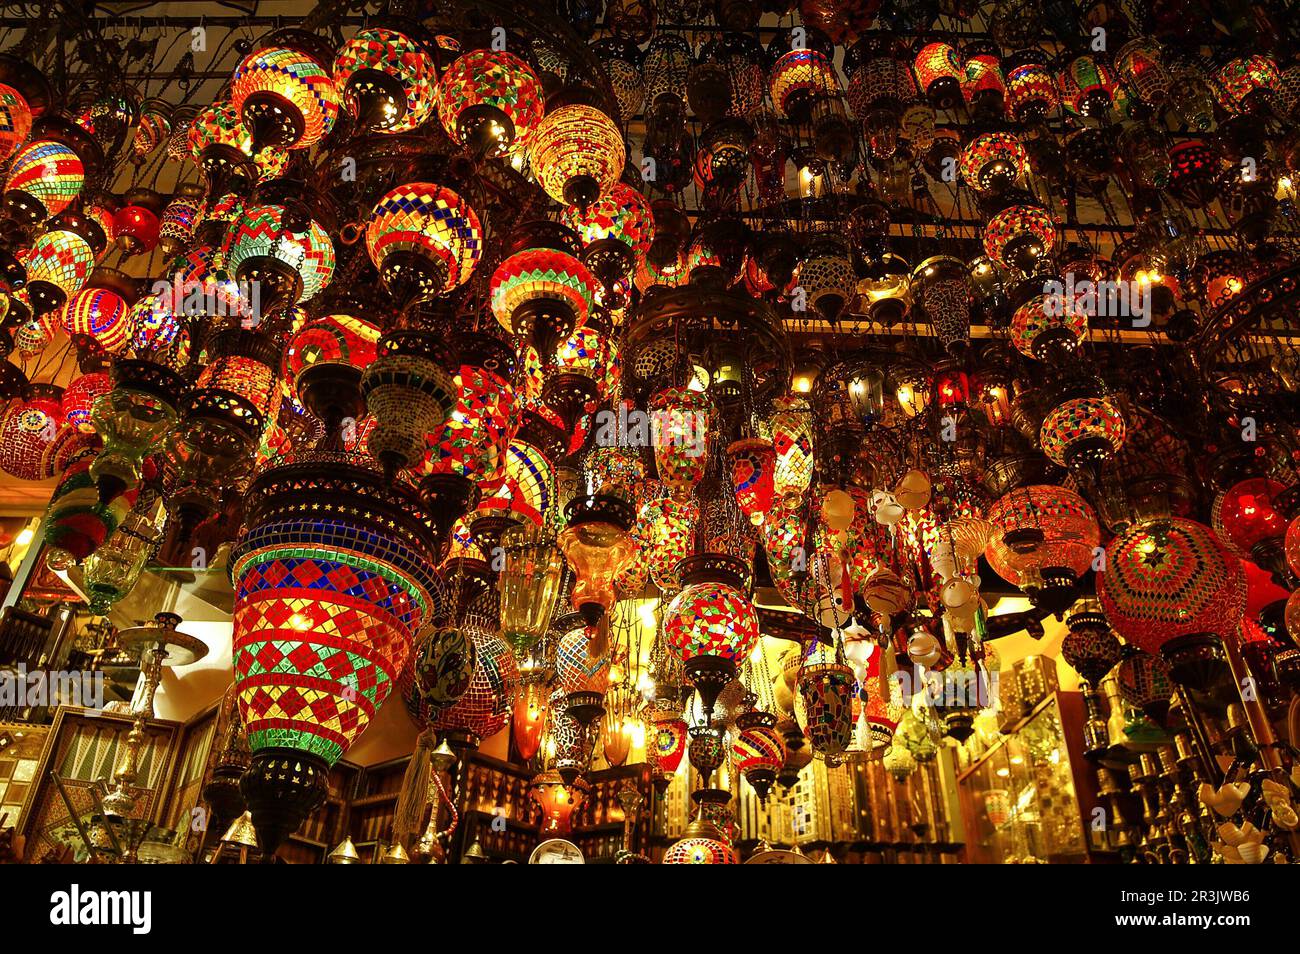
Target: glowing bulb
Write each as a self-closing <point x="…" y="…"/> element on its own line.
<point x="24" y="537"/>
<point x="803" y="384"/>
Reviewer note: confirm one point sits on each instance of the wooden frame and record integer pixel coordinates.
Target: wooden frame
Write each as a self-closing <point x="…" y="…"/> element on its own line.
<point x="83" y="747"/>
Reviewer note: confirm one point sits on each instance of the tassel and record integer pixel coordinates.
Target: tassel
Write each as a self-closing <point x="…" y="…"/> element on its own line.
<point x="415" y="791"/>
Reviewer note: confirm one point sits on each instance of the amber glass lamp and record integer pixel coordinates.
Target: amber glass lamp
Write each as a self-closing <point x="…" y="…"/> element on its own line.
<point x="490" y="100"/>
<point x="598" y="544"/>
<point x="577" y="153"/>
<point x="285" y="93"/>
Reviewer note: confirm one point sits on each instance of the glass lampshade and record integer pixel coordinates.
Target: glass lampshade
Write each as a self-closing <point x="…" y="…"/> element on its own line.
<point x="113" y="570"/>
<point x="424" y="240"/>
<point x="543" y="294"/>
<point x="491" y="100"/>
<point x="1038" y="527"/>
<point x="387" y="80"/>
<point x="1168" y="578"/>
<point x="529" y="584"/>
<point x="57" y="268"/>
<point x="285" y="97"/>
<point x="682" y="419"/>
<point x="100" y="315"/>
<point x="753" y="467"/>
<point x="15" y="120"/>
<point x="262" y="247"/>
<point x="484" y="710"/>
<point x="1082" y="430"/>
<point x="47" y="173"/>
<point x="1019" y="237"/>
<point x="577" y="154"/>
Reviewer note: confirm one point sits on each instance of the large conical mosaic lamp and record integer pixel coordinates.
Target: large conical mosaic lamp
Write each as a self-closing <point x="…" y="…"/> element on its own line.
<point x="332" y="581"/>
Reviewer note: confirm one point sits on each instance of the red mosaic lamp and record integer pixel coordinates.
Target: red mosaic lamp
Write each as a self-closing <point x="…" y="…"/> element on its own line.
<point x="542" y="291"/>
<point x="490" y="100"/>
<point x="285" y="93"/>
<point x="711" y="625"/>
<point x="328" y="599"/>
<point x="1171" y="588"/>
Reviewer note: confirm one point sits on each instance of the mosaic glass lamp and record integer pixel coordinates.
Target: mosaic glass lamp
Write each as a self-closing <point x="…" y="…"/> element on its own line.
<point x="485" y="708"/>
<point x="753" y="476"/>
<point x="758" y="751"/>
<point x="29" y="425"/>
<point x="424" y="240"/>
<point x="328" y="598"/>
<point x="15" y="120"/>
<point x="285" y="96"/>
<point x="542" y="294"/>
<point x="409" y="393"/>
<point x="387" y="79"/>
<point x="1082" y="431"/>
<point x="289" y="257"/>
<point x="577" y="154"/>
<point x="1171" y="588"/>
<point x="711" y="625"/>
<point x="58" y="266"/>
<point x="939" y="73"/>
<point x="993" y="162"/>
<point x="614" y="230"/>
<point x="42" y="179"/>
<point x="1019" y="237"/>
<point x="98" y="315"/>
<point x="1043" y="540"/>
<point x="681" y="418"/>
<point x="491" y="101"/>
